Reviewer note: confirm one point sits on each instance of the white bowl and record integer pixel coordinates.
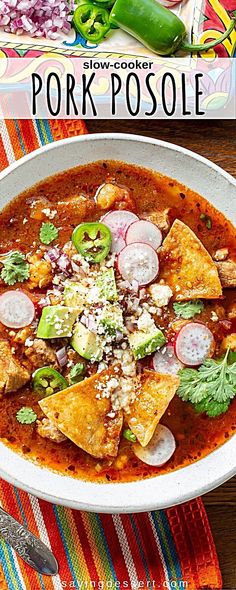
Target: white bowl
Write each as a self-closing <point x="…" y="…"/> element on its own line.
<point x="220" y="189"/>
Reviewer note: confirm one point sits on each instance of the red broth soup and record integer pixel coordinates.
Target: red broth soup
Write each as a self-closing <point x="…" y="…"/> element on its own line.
<point x="118" y="324"/>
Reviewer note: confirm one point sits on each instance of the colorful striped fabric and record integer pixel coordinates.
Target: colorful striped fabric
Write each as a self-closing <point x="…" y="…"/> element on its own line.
<point x="18" y="138"/>
<point x="169" y="549"/>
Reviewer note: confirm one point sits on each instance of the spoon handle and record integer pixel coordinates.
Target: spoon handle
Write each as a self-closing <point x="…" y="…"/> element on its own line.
<point x="30" y="548"/>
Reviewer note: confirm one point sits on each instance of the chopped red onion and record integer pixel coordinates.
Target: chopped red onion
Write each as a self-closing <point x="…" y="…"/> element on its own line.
<point x="131" y="326"/>
<point x="61" y="355"/>
<point x="52" y="254"/>
<point x="58" y="259"/>
<point x="135" y="286"/>
<point x="44" y="302"/>
<point x="139" y="368"/>
<point x="226" y="324"/>
<point x="75" y="267"/>
<point x="142" y="293"/>
<point x="91" y="324"/>
<point x="37" y="18"/>
<point x="57" y="289"/>
<point x="63" y="263"/>
<point x="84" y="320"/>
<point x="119" y="336"/>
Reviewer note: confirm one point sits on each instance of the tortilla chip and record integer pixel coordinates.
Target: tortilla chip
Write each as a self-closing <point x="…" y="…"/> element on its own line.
<point x="157" y="391"/>
<point x="84" y="418"/>
<point x="187" y="267"/>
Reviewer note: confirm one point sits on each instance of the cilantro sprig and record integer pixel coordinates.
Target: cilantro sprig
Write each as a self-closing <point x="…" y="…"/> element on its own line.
<point x="48" y="233"/>
<point x="15" y="268"/>
<point x="77" y="373"/>
<point x="26" y="415"/>
<point x="188" y="309"/>
<point x="211" y="407"/>
<point x="211" y="388"/>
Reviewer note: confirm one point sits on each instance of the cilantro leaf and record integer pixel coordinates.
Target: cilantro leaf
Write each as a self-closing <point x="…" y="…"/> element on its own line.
<point x="210" y="388"/>
<point x="211" y="407"/>
<point x="232" y="357"/>
<point x="207" y="220"/>
<point x="26" y="415"/>
<point x="48" y="233"/>
<point x="76" y="373"/>
<point x="15" y="268"/>
<point x="188" y="309"/>
<point x="191" y="388"/>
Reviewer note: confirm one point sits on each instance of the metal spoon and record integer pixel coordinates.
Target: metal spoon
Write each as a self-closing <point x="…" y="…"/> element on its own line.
<point x="30" y="548"/>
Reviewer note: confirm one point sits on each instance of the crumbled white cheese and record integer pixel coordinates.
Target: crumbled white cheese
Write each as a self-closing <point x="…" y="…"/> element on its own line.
<point x="85" y="266"/>
<point x="106" y="388"/>
<point x="133" y="304"/>
<point x="128" y="364"/>
<point x="160" y="294"/>
<point x="117" y="353"/>
<point x="152" y="309"/>
<point x="145" y="322"/>
<point x="214" y="316"/>
<point x="113" y="383"/>
<point x="102" y="367"/>
<point x="125" y="394"/>
<point x="221" y="254"/>
<point x="111" y="414"/>
<point x="49" y="213"/>
<point x="29" y="342"/>
<point x="93" y="295"/>
<point x="108" y="262"/>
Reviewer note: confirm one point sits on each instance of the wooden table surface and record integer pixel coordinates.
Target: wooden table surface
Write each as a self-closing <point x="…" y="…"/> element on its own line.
<point x="215" y="140"/>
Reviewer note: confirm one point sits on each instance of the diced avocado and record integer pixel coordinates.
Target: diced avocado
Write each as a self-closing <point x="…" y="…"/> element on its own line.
<point x="86" y="343"/>
<point x="142" y="343"/>
<point x="56" y="322"/>
<point x="110" y="320"/>
<point x="106" y="285"/>
<point x="75" y="295"/>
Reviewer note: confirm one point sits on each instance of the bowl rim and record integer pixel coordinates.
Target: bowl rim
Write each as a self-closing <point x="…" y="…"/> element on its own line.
<point x="156" y="492"/>
<point x="116" y="136"/>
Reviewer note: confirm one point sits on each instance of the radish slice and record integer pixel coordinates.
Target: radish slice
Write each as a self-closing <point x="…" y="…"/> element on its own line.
<point x="165" y="361"/>
<point x="194" y="343"/>
<point x="159" y="450"/>
<point x="169" y="3"/>
<point x="144" y="231"/>
<point x="118" y="221"/>
<point x="16" y="309"/>
<point x="138" y="262"/>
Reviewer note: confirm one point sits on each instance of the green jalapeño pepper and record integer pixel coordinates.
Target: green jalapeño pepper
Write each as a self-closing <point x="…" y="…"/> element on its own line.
<point x="47" y="381"/>
<point x="100" y="3"/>
<point x="92" y="22"/>
<point x="105" y="3"/>
<point x="82" y="2"/>
<point x="92" y="240"/>
<point x="156" y="27"/>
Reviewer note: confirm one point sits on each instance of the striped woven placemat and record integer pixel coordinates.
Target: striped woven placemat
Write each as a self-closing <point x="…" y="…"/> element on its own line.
<point x="171" y="549"/>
